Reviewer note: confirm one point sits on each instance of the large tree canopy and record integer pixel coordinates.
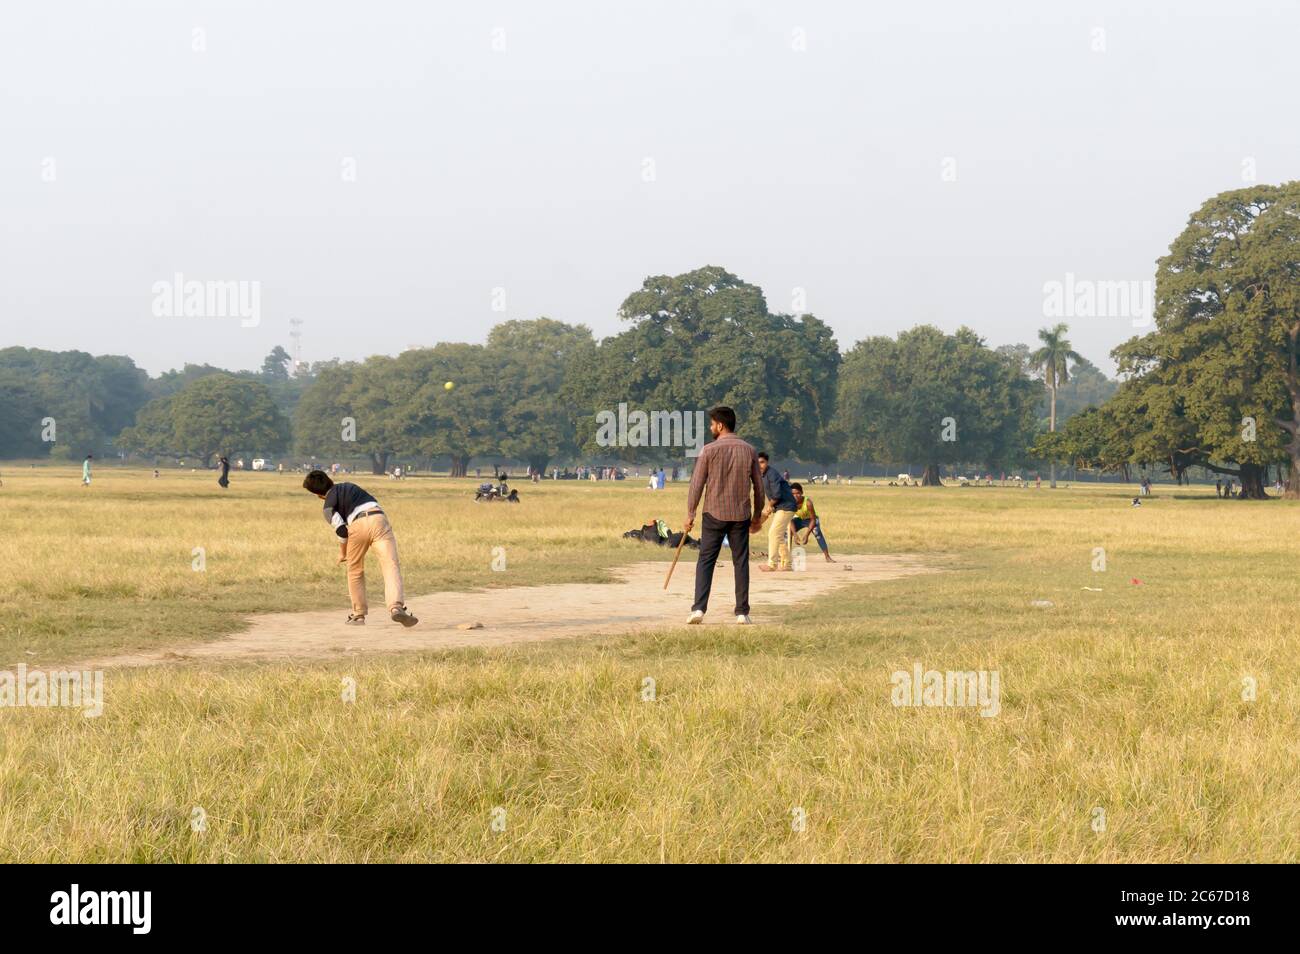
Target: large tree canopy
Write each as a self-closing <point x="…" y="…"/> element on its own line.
<point x="503" y="401"/>
<point x="90" y="398"/>
<point x="355" y="409"/>
<point x="531" y="361"/>
<point x="1097" y="438"/>
<point x="933" y="398"/>
<point x="464" y="422"/>
<point x="1215" y="383"/>
<point x="215" y="414"/>
<point x="321" y="424"/>
<point x="706" y="338"/>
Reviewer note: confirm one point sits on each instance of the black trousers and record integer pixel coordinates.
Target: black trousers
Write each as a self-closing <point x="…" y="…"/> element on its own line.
<point x="711" y="534"/>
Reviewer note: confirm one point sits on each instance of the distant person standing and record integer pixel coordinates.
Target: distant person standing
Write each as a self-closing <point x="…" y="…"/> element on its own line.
<point x="781" y="507"/>
<point x="728" y="469"/>
<point x="85" y="470"/>
<point x="224" y="463"/>
<point x="1218" y="488"/>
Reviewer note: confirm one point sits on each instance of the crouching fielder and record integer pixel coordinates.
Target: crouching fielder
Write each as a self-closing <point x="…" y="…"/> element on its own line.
<point x="362" y="526"/>
<point x="806" y="519"/>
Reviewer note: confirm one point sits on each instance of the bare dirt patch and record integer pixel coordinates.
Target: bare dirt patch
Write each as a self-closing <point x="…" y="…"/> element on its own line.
<point x="636" y="600"/>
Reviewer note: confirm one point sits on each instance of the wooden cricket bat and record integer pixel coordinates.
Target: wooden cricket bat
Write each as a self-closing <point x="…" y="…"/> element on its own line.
<point x="680" y="543"/>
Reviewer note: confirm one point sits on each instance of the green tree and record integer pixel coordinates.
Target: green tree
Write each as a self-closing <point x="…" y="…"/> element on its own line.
<point x="275" y="366"/>
<point x="1094" y="439"/>
<point x="463" y="422"/>
<point x="1052" y="360"/>
<point x="154" y="431"/>
<point x="373" y="398"/>
<point x="91" y="398"/>
<point x="354" y="410"/>
<point x="170" y="382"/>
<point x="21" y="411"/>
<point x="531" y="361"/>
<point x="216" y="414"/>
<point x="1087" y="385"/>
<point x="1215" y="384"/>
<point x="222" y="415"/>
<point x="933" y="398"/>
<point x="320" y="421"/>
<point x="704" y="338"/>
<point x="390" y="406"/>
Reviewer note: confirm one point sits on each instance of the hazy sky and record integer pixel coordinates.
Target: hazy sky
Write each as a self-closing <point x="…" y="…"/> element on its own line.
<point x="382" y="167"/>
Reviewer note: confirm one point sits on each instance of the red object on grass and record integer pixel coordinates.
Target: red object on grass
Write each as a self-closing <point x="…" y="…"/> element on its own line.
<point x="1135" y="581"/>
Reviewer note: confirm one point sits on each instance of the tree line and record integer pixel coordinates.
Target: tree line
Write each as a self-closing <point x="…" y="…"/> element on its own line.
<point x="1213" y="385"/>
<point x="532" y="392"/>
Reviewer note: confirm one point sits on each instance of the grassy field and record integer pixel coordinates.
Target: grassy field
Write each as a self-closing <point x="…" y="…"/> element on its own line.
<point x="1128" y="700"/>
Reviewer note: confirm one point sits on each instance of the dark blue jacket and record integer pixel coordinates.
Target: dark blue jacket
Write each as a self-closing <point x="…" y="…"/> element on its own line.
<point x="777" y="491"/>
<point x="343" y="502"/>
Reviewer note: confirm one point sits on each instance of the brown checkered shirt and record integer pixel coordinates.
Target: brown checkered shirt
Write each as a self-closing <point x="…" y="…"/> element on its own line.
<point x="729" y="467"/>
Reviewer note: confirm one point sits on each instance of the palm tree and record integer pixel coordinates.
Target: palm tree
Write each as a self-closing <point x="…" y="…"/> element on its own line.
<point x="1053" y="359"/>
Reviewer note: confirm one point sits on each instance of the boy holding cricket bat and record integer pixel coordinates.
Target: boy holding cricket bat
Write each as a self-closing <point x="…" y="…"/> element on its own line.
<point x="728" y="467"/>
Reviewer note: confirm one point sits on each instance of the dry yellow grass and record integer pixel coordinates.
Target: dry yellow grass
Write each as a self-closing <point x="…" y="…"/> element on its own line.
<point x="1128" y="700"/>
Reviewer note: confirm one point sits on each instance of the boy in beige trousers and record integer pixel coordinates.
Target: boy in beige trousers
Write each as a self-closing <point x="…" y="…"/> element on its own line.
<point x="362" y="527"/>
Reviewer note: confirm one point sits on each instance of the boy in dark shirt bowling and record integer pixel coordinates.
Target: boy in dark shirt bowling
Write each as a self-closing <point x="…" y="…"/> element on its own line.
<point x="362" y="526"/>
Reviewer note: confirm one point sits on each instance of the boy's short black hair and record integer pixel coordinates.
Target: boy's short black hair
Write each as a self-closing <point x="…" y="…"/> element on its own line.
<point x="798" y="487"/>
<point x="762" y="455"/>
<point x="724" y="416"/>
<point x="318" y="482"/>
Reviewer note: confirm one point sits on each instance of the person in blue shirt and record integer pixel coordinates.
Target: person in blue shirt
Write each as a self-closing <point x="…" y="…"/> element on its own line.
<point x="780" y="507"/>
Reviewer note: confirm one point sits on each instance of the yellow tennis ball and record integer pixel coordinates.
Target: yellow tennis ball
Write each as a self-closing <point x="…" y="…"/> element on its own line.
<point x="449" y="385"/>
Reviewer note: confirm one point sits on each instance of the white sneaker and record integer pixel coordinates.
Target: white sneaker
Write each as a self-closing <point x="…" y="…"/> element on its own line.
<point x="743" y="620"/>
<point x="696" y="617"/>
